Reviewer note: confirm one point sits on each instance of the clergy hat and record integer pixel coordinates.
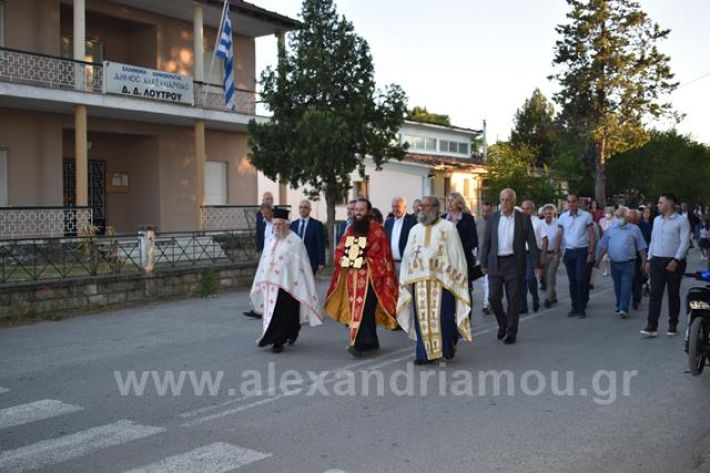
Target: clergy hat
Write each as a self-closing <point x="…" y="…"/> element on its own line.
<point x="281" y="213"/>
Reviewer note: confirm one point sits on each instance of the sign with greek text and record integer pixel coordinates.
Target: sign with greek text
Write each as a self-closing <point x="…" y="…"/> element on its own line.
<point x="136" y="81"/>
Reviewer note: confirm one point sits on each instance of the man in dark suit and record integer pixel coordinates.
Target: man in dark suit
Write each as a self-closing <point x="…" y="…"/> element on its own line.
<point x="311" y="232"/>
<point x="398" y="225"/>
<point x="344" y="225"/>
<point x="503" y="259"/>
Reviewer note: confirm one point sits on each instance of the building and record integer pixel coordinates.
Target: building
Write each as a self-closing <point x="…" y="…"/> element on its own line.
<point x="117" y="106"/>
<point x="439" y="161"/>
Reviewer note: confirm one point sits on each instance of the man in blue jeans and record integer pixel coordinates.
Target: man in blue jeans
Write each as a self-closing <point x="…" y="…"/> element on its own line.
<point x="575" y="234"/>
<point x="623" y="241"/>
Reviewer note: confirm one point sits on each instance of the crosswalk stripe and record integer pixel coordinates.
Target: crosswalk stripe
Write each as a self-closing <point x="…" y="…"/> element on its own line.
<point x="34" y="411"/>
<point x="3" y="390"/>
<point x="48" y="452"/>
<point x="216" y="458"/>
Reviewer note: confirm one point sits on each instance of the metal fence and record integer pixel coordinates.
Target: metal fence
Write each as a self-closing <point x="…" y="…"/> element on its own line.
<point x="37" y="222"/>
<point x="37" y="259"/>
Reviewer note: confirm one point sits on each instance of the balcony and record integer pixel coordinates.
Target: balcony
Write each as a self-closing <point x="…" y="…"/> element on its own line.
<point x="39" y="70"/>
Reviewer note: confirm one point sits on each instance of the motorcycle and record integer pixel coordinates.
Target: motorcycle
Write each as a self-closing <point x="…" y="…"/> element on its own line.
<point x="697" y="334"/>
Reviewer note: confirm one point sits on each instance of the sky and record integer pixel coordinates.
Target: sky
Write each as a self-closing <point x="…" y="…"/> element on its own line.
<point x="478" y="60"/>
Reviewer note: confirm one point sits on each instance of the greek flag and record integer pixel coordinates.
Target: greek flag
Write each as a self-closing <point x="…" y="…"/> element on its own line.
<point x="225" y="50"/>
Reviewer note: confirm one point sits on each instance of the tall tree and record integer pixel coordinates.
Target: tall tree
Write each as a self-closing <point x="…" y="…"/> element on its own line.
<point x="534" y="126"/>
<point x="612" y="77"/>
<point x="421" y="114"/>
<point x="328" y="115"/>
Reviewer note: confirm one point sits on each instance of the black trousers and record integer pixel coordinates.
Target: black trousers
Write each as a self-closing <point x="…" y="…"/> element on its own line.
<point x="367" y="334"/>
<point x="660" y="278"/>
<point x="285" y="322"/>
<point x="509" y="277"/>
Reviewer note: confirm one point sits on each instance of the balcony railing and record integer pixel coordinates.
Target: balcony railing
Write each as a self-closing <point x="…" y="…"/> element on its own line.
<point x="36" y="222"/>
<point x="41" y="70"/>
<point x="21" y="67"/>
<point x="212" y="97"/>
<point x="229" y="217"/>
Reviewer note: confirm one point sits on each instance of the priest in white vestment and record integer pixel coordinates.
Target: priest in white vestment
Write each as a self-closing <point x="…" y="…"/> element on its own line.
<point x="434" y="300"/>
<point x="284" y="289"/>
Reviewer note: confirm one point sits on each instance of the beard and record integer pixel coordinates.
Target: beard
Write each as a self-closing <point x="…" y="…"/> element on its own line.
<point x="281" y="234"/>
<point x="427" y="217"/>
<point x="361" y="225"/>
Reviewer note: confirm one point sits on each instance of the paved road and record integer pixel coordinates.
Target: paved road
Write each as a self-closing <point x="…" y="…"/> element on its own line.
<point x="632" y="406"/>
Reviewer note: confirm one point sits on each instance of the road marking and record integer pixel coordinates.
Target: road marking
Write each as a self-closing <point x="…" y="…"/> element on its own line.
<point x="272" y="391"/>
<point x="49" y="452"/>
<point x="331" y="377"/>
<point x="34" y="411"/>
<point x="4" y="390"/>
<point x="216" y="458"/>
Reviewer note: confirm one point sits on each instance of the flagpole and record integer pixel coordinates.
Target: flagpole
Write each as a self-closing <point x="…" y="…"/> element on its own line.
<point x="216" y="42"/>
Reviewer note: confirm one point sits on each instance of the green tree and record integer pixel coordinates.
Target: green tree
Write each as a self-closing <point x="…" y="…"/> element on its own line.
<point x="612" y="77"/>
<point x="668" y="162"/>
<point x="534" y="126"/>
<point x="327" y="112"/>
<point x="514" y="167"/>
<point x="422" y="115"/>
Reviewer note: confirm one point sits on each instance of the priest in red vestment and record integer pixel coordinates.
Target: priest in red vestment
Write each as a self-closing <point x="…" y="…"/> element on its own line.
<point x="364" y="290"/>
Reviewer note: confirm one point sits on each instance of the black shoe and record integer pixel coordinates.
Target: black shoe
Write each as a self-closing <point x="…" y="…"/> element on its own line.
<point x="572" y="313"/>
<point x="356" y="352"/>
<point x="583" y="314"/>
<point x="423" y="362"/>
<point x="536" y="306"/>
<point x="509" y="339"/>
<point x="635" y="305"/>
<point x="501" y="333"/>
<point x="486" y="311"/>
<point x="252" y="314"/>
<point x="523" y="312"/>
<point x="591" y="286"/>
<point x="547" y="304"/>
<point x="277" y="348"/>
<point x="292" y="340"/>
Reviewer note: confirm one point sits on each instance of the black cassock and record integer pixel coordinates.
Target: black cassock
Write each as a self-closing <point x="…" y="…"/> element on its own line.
<point x="285" y="323"/>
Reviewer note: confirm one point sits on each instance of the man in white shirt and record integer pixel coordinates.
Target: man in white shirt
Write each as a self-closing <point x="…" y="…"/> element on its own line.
<point x="575" y="235"/>
<point x="666" y="263"/>
<point x="503" y="260"/>
<point x="397" y="228"/>
<point x="541" y="239"/>
<point x="549" y="211"/>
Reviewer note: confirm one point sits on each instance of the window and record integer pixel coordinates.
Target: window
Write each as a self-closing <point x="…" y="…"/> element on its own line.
<point x="94" y="49"/>
<point x="215" y="183"/>
<point x="453" y="147"/>
<point x="3" y="178"/>
<point x="2" y="23"/>
<point x="421" y="143"/>
<point x="362" y="189"/>
<point x="217" y="75"/>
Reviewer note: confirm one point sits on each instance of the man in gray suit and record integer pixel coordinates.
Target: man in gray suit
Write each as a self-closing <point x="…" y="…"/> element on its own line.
<point x="503" y="258"/>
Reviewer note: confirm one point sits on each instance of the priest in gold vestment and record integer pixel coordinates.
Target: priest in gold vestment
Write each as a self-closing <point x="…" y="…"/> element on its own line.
<point x="434" y="300"/>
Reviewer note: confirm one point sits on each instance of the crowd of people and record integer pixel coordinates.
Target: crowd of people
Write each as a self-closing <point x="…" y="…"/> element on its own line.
<point x="415" y="271"/>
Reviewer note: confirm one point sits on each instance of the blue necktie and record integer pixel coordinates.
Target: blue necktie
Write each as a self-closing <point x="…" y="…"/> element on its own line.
<point x="303" y="226"/>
